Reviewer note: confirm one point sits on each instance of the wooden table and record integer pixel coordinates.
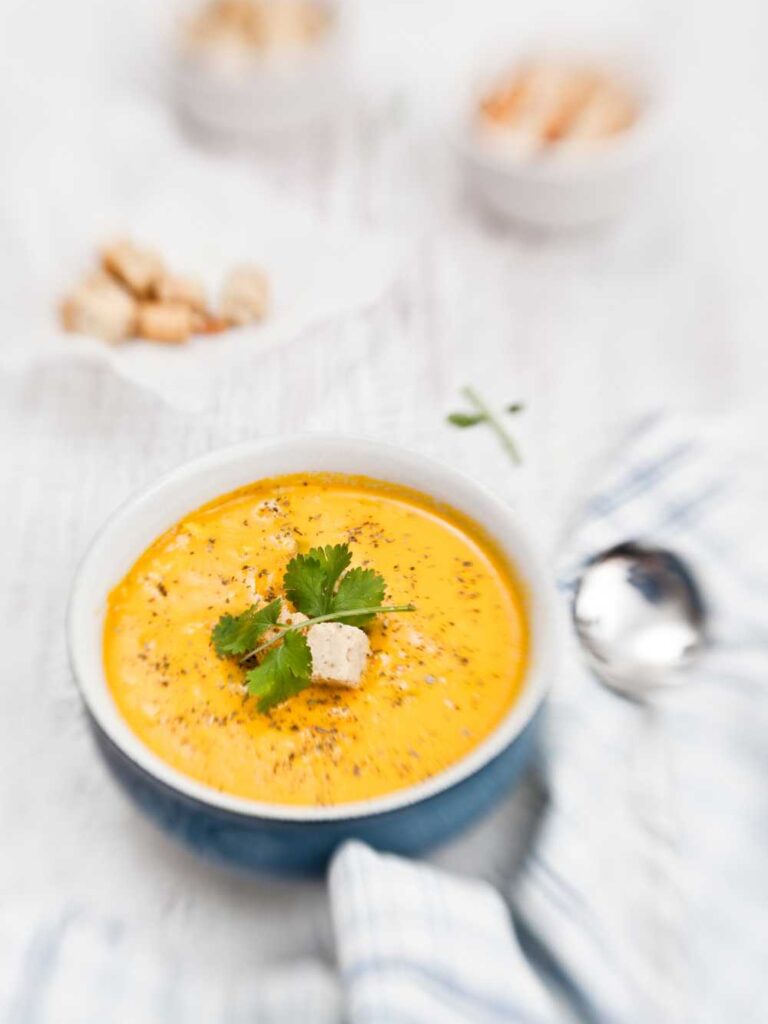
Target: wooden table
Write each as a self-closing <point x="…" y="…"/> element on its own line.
<point x="667" y="308"/>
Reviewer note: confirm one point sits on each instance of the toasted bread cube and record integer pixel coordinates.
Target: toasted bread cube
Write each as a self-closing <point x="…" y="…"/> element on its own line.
<point x="285" y="618"/>
<point x="207" y="323"/>
<point x="165" y="321"/>
<point x="245" y="296"/>
<point x="339" y="653"/>
<point x="289" y="618"/>
<point x="101" y="279"/>
<point x="291" y="24"/>
<point x="187" y="290"/>
<point x="607" y="112"/>
<point x="101" y="308"/>
<point x="138" y="269"/>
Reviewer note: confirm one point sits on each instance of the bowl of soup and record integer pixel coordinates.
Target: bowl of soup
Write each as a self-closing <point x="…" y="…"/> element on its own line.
<point x="438" y="723"/>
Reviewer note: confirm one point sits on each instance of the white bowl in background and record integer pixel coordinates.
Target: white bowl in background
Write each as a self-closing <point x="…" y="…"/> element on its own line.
<point x="568" y="189"/>
<point x="259" y="95"/>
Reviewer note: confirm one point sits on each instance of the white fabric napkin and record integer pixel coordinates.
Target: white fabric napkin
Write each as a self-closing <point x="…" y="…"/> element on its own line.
<point x="644" y="897"/>
<point x="64" y="199"/>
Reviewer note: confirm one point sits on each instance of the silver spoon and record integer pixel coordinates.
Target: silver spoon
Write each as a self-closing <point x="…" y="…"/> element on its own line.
<point x="640" y="618"/>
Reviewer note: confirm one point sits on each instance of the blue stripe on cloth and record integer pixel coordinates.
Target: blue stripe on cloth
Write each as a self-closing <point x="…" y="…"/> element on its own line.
<point x="635" y="482"/>
<point x="562" y="893"/>
<point x="686" y="513"/>
<point x="551" y="968"/>
<point x="674" y="516"/>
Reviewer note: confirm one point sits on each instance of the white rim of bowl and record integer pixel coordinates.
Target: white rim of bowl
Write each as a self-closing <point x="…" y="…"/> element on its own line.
<point x="94" y="690"/>
<point x="624" y="150"/>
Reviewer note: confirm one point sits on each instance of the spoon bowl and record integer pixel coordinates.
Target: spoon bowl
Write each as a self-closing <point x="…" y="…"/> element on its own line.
<point x="640" y="618"/>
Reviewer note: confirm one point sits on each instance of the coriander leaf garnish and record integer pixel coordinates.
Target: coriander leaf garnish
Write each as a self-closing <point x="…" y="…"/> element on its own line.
<point x="359" y="588"/>
<point x="321" y="586"/>
<point x="334" y="558"/>
<point x="236" y="634"/>
<point x="466" y="419"/>
<point x="309" y="579"/>
<point x="354" y="615"/>
<point x="283" y="672"/>
<point x="484" y="414"/>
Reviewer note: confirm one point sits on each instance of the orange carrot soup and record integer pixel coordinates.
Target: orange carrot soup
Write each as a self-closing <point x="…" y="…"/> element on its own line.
<point x="436" y="679"/>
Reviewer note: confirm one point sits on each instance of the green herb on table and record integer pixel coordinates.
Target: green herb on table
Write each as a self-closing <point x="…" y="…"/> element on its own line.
<point x="483" y="413"/>
<point x="321" y="586"/>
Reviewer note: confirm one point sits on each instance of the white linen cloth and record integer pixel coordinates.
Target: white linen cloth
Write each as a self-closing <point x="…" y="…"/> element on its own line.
<point x="644" y="897"/>
<point x="205" y="216"/>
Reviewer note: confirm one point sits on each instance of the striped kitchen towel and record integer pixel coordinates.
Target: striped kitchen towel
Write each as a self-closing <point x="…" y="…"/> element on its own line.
<point x="644" y="896"/>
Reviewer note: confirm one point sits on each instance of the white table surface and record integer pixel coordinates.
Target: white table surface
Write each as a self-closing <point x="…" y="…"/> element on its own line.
<point x="668" y="308"/>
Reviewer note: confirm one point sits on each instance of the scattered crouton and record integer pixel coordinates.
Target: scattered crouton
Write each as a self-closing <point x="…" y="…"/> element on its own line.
<point x="546" y="105"/>
<point x="288" y="618"/>
<point x="339" y="653"/>
<point x="285" y="618"/>
<point x="208" y="323"/>
<point x="177" y="288"/>
<point x="137" y="268"/>
<point x="132" y="294"/>
<point x="165" y="321"/>
<point x="100" y="307"/>
<point x="250" y="26"/>
<point x="244" y="296"/>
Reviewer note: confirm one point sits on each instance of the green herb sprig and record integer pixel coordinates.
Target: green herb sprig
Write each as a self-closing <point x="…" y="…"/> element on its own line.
<point x="483" y="413"/>
<point x="321" y="586"/>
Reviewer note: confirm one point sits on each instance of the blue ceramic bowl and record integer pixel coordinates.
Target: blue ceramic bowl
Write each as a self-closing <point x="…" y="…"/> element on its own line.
<point x="285" y="838"/>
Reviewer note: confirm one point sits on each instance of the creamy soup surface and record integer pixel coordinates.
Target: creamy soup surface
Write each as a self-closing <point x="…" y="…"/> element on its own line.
<point x="438" y="680"/>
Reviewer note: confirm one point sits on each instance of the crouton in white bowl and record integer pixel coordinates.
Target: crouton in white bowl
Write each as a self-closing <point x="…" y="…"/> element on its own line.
<point x="563" y="137"/>
<point x="244" y="69"/>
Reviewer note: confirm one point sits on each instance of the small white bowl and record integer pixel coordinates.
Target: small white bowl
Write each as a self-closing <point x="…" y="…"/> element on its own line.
<point x="250" y="96"/>
<point x="567" y="190"/>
